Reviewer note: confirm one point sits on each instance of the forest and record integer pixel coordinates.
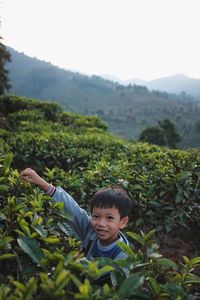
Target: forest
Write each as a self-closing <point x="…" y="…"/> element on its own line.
<point x="40" y="256"/>
<point x="127" y="110"/>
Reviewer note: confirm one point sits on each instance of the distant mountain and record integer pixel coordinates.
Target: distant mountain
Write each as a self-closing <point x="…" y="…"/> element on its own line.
<point x="126" y="109"/>
<point x="174" y="84"/>
<point x="124" y="82"/>
<point x="35" y="78"/>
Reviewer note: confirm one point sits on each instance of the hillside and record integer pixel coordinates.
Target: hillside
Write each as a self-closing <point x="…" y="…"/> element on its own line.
<point x="176" y="84"/>
<point x="40" y="253"/>
<point x="126" y="109"/>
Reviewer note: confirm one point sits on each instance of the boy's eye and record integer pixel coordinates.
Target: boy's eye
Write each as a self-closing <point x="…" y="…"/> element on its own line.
<point x="95" y="216"/>
<point x="110" y="217"/>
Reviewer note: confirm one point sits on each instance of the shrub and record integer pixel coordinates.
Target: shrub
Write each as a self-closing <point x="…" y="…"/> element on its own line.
<point x="40" y="256"/>
<point x="72" y="119"/>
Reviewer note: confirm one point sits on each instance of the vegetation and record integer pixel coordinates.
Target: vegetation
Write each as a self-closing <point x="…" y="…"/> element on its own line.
<point x="4" y="57"/>
<point x="164" y="134"/>
<point x="127" y="110"/>
<point x="40" y="256"/>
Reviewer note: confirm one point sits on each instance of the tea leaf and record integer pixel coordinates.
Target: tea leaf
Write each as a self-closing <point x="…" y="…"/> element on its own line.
<point x="31" y="247"/>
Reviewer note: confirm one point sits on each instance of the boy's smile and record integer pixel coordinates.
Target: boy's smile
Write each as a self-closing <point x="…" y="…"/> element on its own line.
<point x="107" y="223"/>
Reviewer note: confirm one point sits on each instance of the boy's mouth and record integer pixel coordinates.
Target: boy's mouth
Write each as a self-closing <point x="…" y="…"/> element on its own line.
<point x="101" y="231"/>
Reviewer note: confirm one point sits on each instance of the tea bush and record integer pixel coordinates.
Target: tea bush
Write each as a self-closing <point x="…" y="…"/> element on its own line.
<point x="76" y="120"/>
<point x="40" y="256"/>
<point x="11" y="104"/>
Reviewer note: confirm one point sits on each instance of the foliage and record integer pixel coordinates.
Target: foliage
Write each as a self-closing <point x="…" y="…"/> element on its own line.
<point x="40" y="255"/>
<point x="172" y="137"/>
<point x="127" y="110"/>
<point x="72" y="119"/>
<point x="164" y="134"/>
<point x="47" y="263"/>
<point x="152" y="135"/>
<point x="4" y="57"/>
<point x="12" y="104"/>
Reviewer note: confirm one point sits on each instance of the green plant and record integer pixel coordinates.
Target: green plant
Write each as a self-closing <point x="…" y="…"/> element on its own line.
<point x="40" y="256"/>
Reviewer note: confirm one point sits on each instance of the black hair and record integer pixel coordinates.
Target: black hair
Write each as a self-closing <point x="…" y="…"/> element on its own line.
<point x="112" y="196"/>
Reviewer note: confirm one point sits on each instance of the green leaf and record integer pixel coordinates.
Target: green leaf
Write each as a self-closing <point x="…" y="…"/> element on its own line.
<point x="165" y="262"/>
<point x="149" y="235"/>
<point x="7" y="256"/>
<point x="25" y="226"/>
<point x="192" y="278"/>
<point x="182" y="175"/>
<point x="136" y="237"/>
<point x="105" y="269"/>
<point x="40" y="230"/>
<point x="64" y="215"/>
<point x="138" y="187"/>
<point x="62" y="277"/>
<point x="85" y="290"/>
<point x="51" y="240"/>
<point x="132" y="286"/>
<point x="4" y="187"/>
<point x="44" y="277"/>
<point x="19" y="232"/>
<point x="106" y="289"/>
<point x="2" y="217"/>
<point x="155" y="287"/>
<point x="187" y="261"/>
<point x="31" y="287"/>
<point x="75" y="280"/>
<point x="7" y="162"/>
<point x="19" y="285"/>
<point x="59" y="268"/>
<point x="31" y="247"/>
<point x="19" y="206"/>
<point x="126" y="249"/>
<point x="154" y="203"/>
<point x="195" y="261"/>
<point x="179" y="197"/>
<point x="175" y="291"/>
<point x="65" y="228"/>
<point x="6" y="240"/>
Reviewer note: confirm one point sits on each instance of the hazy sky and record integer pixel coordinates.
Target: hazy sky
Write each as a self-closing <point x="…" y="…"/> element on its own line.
<point x="144" y="39"/>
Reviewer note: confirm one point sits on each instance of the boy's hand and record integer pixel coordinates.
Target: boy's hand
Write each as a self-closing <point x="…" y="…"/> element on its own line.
<point x="29" y="175"/>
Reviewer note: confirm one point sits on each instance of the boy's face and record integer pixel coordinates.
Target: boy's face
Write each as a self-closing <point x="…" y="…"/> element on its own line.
<point x="107" y="223"/>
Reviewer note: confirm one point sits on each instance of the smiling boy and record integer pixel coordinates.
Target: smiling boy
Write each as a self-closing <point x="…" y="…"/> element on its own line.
<point x="109" y="215"/>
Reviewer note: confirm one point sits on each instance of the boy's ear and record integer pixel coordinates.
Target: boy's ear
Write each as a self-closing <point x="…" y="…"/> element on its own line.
<point x="123" y="222"/>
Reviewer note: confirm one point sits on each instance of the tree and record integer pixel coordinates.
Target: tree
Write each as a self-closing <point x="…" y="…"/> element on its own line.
<point x="172" y="137"/>
<point x="4" y="57"/>
<point x="164" y="134"/>
<point x="152" y="135"/>
<point x="197" y="126"/>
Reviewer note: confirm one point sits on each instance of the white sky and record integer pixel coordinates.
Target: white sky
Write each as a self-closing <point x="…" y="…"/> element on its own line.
<point x="144" y="39"/>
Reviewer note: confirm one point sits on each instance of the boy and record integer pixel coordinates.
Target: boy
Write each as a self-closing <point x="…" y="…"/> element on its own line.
<point x="109" y="214"/>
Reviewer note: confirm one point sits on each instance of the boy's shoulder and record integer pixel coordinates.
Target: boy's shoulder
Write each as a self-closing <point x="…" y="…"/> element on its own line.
<point x="112" y="251"/>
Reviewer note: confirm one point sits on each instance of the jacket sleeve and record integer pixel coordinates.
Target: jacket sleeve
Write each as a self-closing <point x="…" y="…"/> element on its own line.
<point x="80" y="219"/>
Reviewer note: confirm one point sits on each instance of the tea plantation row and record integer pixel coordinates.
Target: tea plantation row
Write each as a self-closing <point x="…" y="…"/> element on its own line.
<point x="40" y="257"/>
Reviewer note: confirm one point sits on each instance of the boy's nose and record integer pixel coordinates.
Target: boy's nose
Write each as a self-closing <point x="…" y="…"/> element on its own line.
<point x="101" y="222"/>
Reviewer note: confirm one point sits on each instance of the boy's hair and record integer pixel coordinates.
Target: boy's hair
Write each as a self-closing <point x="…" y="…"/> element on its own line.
<point x="112" y="196"/>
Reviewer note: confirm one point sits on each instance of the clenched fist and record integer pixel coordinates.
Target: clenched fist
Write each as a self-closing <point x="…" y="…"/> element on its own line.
<point x="29" y="175"/>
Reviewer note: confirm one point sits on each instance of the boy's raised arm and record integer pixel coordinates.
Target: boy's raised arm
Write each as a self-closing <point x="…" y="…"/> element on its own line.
<point x="31" y="176"/>
<point x="81" y="221"/>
